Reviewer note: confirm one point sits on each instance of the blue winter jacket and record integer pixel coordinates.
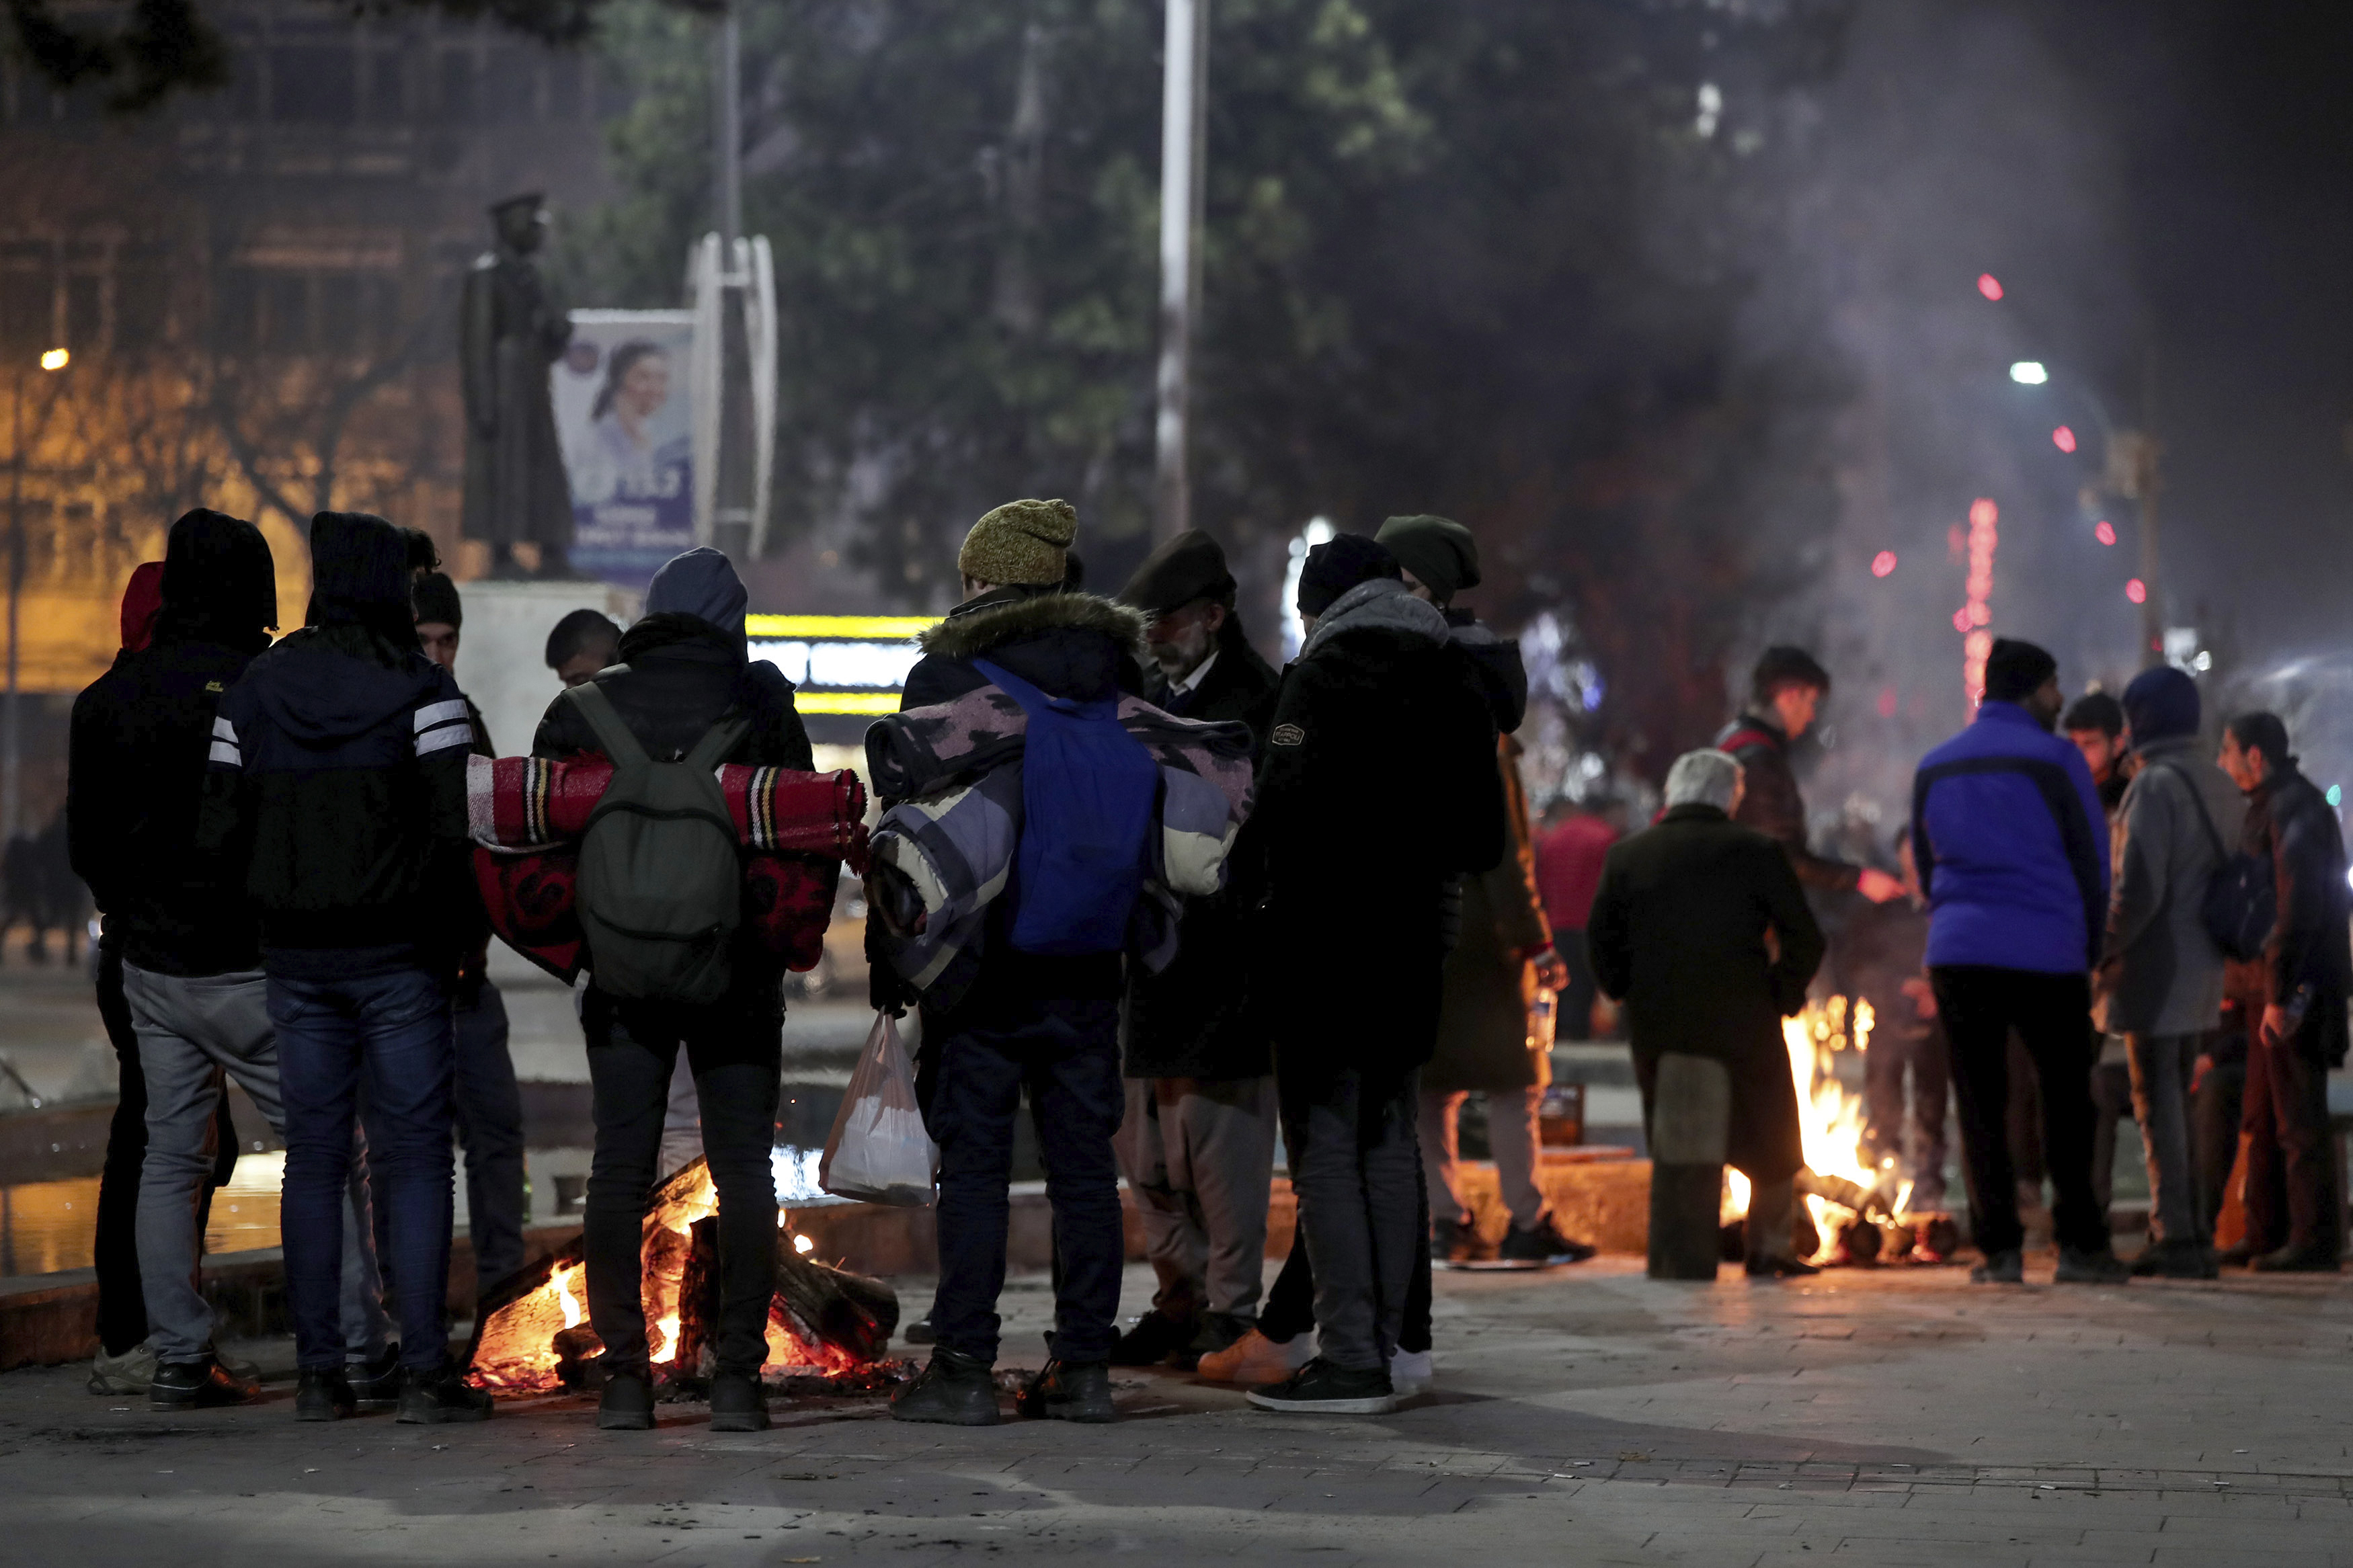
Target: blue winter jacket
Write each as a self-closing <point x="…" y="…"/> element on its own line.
<point x="2012" y="848"/>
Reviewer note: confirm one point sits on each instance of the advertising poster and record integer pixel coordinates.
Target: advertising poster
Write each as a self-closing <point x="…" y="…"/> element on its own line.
<point x="623" y="413"/>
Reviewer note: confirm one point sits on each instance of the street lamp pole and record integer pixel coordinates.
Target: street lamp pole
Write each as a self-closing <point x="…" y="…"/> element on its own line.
<point x="1183" y="140"/>
<point x="11" y="741"/>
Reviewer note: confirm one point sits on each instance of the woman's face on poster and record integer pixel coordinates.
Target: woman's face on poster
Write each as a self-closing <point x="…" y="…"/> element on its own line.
<point x="645" y="387"/>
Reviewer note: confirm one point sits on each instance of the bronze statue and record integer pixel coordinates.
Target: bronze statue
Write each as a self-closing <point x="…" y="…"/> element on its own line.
<point x="514" y="328"/>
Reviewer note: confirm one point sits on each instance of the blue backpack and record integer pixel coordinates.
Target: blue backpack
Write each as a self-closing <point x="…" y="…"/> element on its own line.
<point x="1088" y="790"/>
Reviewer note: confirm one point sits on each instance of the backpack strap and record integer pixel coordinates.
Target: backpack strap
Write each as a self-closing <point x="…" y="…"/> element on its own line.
<point x="2198" y="802"/>
<point x="717" y="741"/>
<point x="620" y="745"/>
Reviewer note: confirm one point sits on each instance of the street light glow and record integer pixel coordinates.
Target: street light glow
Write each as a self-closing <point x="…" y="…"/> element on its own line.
<point x="54" y="359"/>
<point x="1883" y="563"/>
<point x="2104" y="531"/>
<point x="2136" y="591"/>
<point x="2029" y="373"/>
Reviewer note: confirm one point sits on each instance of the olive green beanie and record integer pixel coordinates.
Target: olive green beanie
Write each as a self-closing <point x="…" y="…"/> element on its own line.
<point x="1437" y="551"/>
<point x="1020" y="543"/>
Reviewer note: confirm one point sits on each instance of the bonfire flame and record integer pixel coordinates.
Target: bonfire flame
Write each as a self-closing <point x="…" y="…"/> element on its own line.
<point x="1829" y="1124"/>
<point x="534" y="1334"/>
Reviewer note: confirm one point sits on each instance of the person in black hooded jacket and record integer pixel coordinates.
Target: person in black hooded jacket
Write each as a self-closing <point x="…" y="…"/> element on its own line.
<point x="681" y="669"/>
<point x="185" y="936"/>
<point x="338" y="781"/>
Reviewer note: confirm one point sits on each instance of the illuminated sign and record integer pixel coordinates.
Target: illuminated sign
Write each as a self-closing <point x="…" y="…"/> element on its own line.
<point x="842" y="664"/>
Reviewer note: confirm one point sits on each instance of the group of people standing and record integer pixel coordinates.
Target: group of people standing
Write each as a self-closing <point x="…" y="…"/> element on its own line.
<point x="2127" y="920"/>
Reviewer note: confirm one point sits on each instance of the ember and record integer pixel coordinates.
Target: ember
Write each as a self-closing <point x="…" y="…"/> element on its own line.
<point x="826" y="1324"/>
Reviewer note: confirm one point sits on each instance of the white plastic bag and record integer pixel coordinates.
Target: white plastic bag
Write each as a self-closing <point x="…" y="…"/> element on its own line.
<point x="877" y="1149"/>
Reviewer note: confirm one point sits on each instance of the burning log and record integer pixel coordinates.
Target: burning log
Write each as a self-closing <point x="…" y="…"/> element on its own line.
<point x="1856" y="1242"/>
<point x="533" y="1335"/>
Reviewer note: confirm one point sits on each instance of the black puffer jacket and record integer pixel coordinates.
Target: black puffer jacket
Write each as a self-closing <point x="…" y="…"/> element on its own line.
<point x="1380" y="784"/>
<point x="2290" y="820"/>
<point x="1770" y="804"/>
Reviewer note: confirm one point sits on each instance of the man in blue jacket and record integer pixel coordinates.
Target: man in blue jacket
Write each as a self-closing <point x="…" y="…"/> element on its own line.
<point x="2014" y="856"/>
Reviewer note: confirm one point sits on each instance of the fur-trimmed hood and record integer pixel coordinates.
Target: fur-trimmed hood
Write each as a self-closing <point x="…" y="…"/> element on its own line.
<point x="1069" y="645"/>
<point x="969" y="633"/>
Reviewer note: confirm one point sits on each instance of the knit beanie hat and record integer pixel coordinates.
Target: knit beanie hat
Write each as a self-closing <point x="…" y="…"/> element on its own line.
<point x="435" y="599"/>
<point x="1437" y="551"/>
<point x="2016" y="670"/>
<point x="1338" y="564"/>
<point x="1021" y="543"/>
<point x="2160" y="703"/>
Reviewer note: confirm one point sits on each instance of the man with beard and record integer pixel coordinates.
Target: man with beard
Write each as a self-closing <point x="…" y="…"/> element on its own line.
<point x="1197" y="1144"/>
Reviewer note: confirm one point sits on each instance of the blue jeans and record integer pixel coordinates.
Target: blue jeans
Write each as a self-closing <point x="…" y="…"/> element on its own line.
<point x="1065" y="1052"/>
<point x="395" y="1029"/>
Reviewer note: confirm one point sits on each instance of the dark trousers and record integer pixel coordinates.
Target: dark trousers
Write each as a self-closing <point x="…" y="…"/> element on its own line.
<point x="121" y="1305"/>
<point x="2290" y="1173"/>
<point x="2052" y="1015"/>
<point x="2214" y="1112"/>
<point x="975" y="1066"/>
<point x="1574" y="1020"/>
<point x="734" y="1047"/>
<point x="1356" y="1167"/>
<point x="489" y="1104"/>
<point x="391" y="1031"/>
<point x="976" y="1062"/>
<point x="1916" y="1048"/>
<point x="1290" y="1310"/>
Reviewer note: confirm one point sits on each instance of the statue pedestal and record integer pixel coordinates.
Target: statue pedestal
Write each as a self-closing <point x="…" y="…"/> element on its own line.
<point x="502" y="651"/>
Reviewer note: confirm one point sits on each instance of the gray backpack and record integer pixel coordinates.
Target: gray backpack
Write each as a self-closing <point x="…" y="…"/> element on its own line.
<point x="661" y="877"/>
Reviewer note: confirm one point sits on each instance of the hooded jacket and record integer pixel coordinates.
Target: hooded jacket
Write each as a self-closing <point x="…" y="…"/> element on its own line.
<point x="1380" y="784"/>
<point x="139" y="741"/>
<point x="2307" y="959"/>
<point x="2164" y="974"/>
<point x="337" y="774"/>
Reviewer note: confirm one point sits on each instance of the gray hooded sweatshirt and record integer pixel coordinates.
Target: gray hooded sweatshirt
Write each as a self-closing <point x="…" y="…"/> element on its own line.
<point x="2165" y="971"/>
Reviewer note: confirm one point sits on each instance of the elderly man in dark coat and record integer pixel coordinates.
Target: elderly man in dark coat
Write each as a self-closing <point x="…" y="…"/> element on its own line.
<point x="1197" y="1144"/>
<point x="1700" y="929"/>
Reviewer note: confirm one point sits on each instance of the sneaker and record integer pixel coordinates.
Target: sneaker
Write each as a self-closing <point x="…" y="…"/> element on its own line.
<point x="1069" y="1390"/>
<point x="919" y="1332"/>
<point x="955" y="1390"/>
<point x="1156" y="1337"/>
<point x="129" y="1372"/>
<point x="443" y="1395"/>
<point x="627" y="1404"/>
<point x="1455" y="1243"/>
<point x="197" y="1386"/>
<point x="2295" y="1261"/>
<point x="322" y="1394"/>
<point x="1410" y="1371"/>
<point x="1542" y="1243"/>
<point x="2175" y="1260"/>
<point x="738" y="1403"/>
<point x="2101" y="1268"/>
<point x="1254" y="1358"/>
<point x="376" y="1384"/>
<point x="1779" y="1269"/>
<point x="2001" y="1269"/>
<point x="1319" y="1388"/>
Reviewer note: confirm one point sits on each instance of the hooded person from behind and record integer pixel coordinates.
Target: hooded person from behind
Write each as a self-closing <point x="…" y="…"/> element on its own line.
<point x="680" y="672"/>
<point x="337" y="780"/>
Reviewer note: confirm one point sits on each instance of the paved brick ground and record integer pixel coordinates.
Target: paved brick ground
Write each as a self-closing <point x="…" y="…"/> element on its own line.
<point x="1592" y="1416"/>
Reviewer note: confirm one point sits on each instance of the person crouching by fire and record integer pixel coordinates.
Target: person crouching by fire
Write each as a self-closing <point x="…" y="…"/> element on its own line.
<point x="1700" y="929"/>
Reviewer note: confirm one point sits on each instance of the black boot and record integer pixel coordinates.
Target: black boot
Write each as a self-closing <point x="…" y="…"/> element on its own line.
<point x="1156" y="1337"/>
<point x="197" y="1386"/>
<point x="442" y="1395"/>
<point x="323" y="1395"/>
<point x="1069" y="1390"/>
<point x="738" y="1403"/>
<point x="628" y="1402"/>
<point x="376" y="1384"/>
<point x="955" y="1390"/>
